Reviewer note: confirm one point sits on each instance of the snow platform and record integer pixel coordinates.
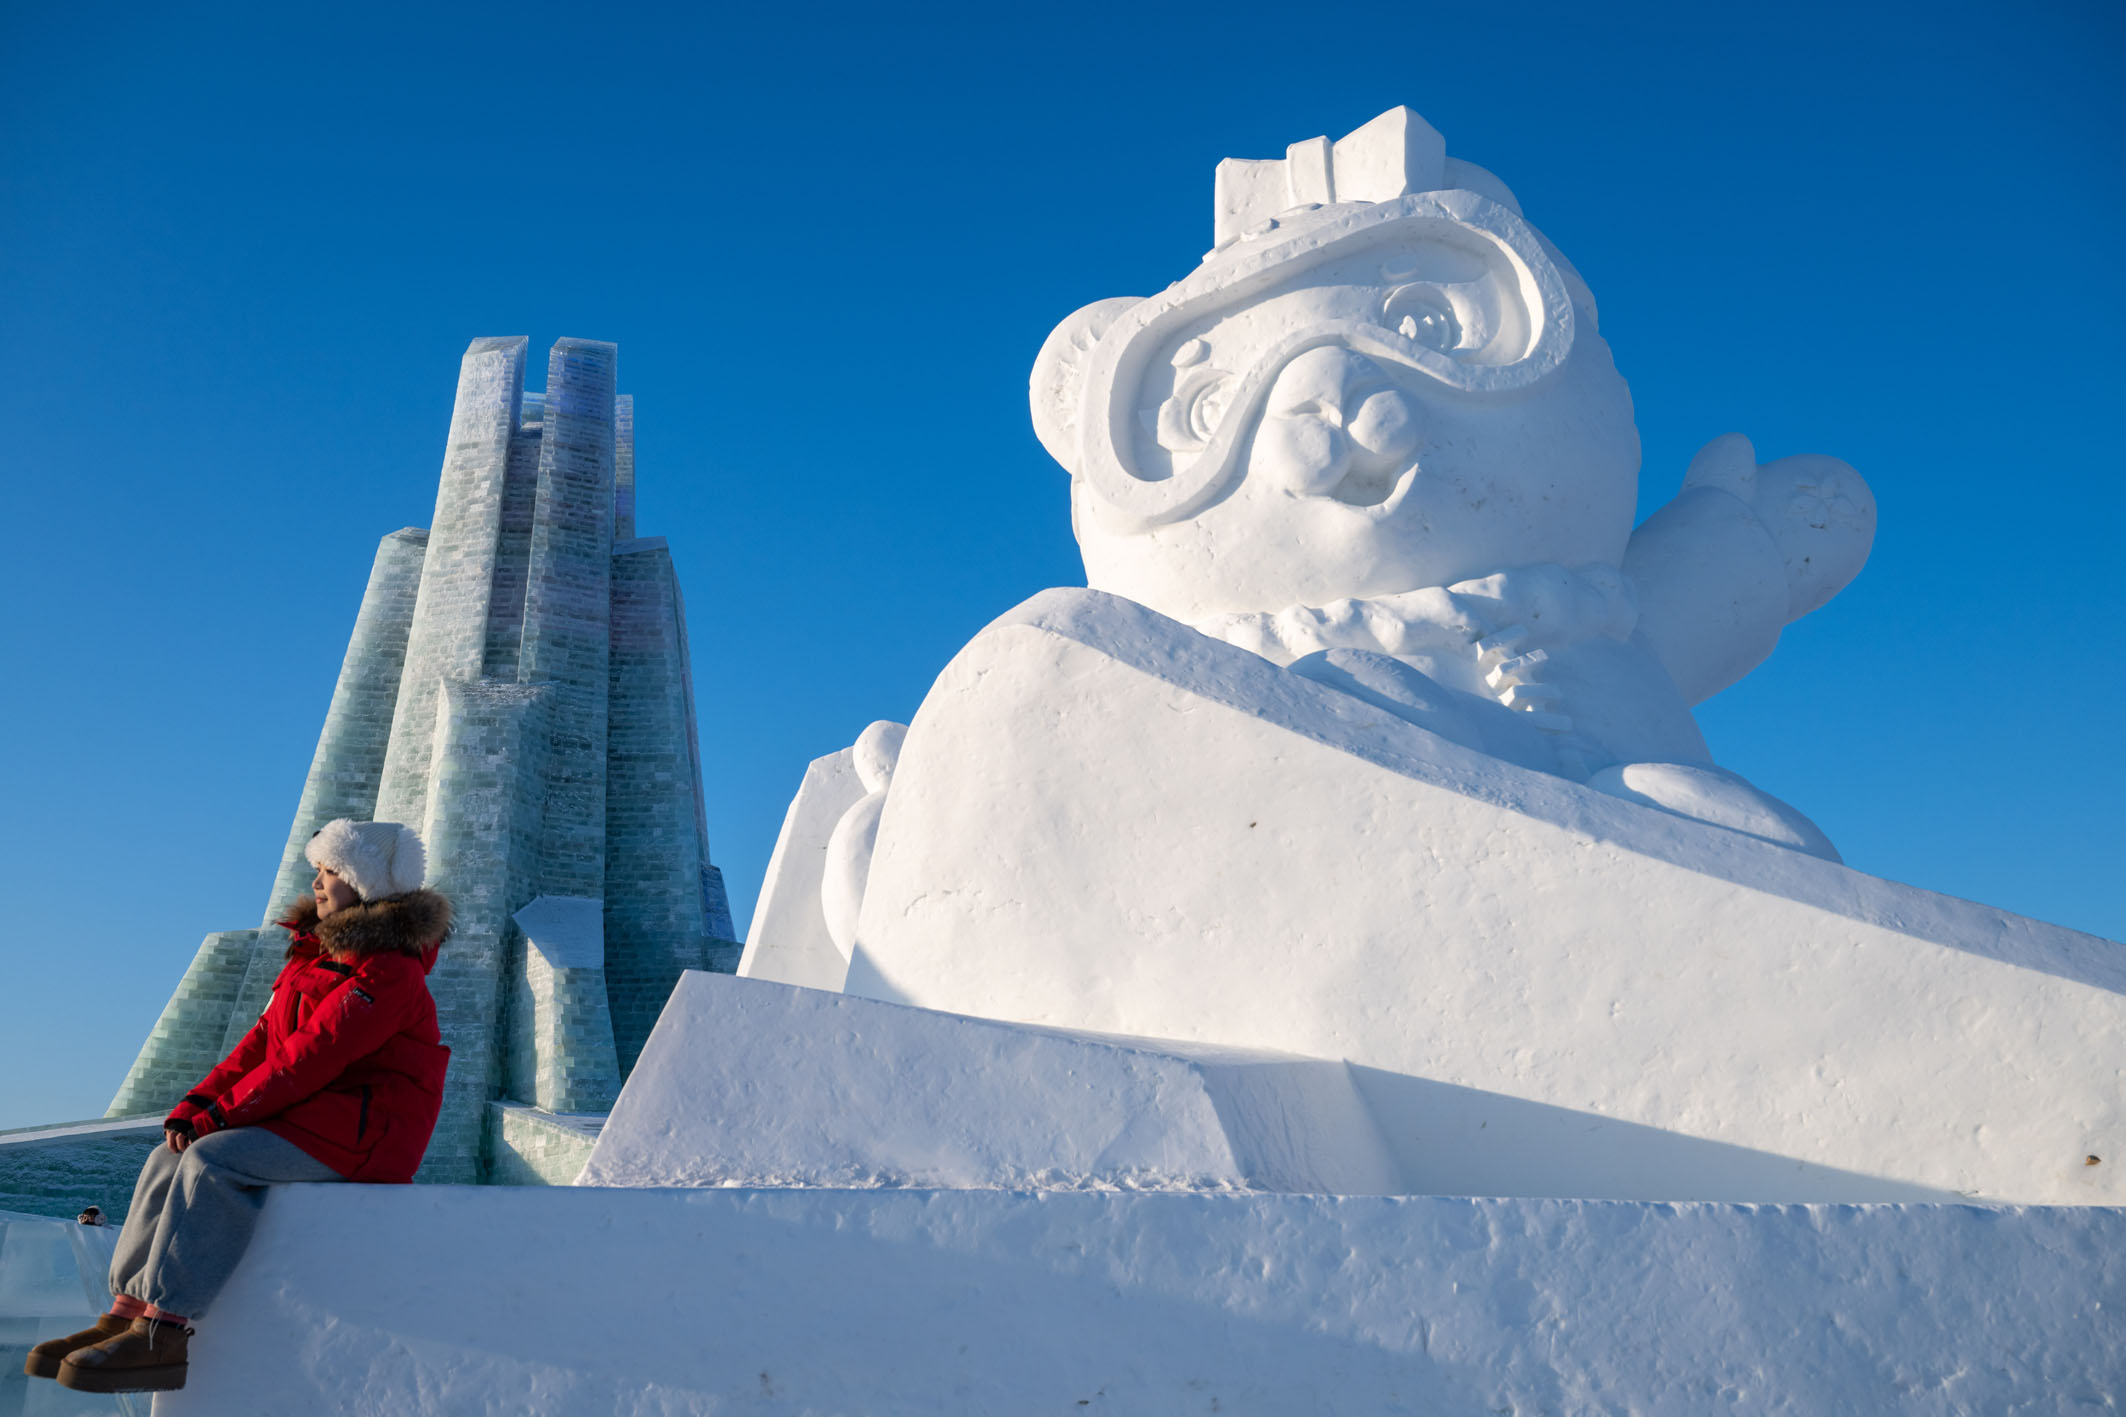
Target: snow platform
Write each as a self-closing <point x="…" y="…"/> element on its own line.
<point x="1102" y="820"/>
<point x="748" y="1082"/>
<point x="581" y="1302"/>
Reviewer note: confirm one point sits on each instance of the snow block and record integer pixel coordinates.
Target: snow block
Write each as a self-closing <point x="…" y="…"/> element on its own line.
<point x="1103" y="820"/>
<point x="745" y="1082"/>
<point x="430" y="1299"/>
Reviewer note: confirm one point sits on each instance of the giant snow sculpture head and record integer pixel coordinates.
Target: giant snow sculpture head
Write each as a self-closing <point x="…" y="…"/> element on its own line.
<point x="1376" y="436"/>
<point x="1382" y="377"/>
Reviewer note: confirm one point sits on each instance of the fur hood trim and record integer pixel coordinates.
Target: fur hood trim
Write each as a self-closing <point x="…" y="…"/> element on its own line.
<point x="409" y="924"/>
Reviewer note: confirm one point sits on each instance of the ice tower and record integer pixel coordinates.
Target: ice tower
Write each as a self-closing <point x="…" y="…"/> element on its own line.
<point x="517" y="688"/>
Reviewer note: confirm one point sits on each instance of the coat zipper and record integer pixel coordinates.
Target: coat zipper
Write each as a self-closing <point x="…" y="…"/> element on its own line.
<point x="361" y="1124"/>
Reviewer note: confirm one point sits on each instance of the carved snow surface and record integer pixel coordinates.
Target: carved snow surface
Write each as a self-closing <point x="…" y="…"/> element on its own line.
<point x="751" y="1083"/>
<point x="1103" y="820"/>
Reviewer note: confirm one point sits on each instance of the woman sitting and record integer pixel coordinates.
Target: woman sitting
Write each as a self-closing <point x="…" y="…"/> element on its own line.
<point x="340" y="1080"/>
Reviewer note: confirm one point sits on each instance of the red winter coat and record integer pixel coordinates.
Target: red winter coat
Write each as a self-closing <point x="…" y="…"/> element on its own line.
<point x="346" y="1061"/>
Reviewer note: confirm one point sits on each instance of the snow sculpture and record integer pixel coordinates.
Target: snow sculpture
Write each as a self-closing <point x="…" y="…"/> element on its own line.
<point x="1371" y="740"/>
<point x="1377" y="436"/>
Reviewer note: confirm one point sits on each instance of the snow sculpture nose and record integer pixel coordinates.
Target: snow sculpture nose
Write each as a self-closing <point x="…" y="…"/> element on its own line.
<point x="1329" y="414"/>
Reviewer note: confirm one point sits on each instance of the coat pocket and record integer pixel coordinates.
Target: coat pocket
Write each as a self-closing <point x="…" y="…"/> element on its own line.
<point x="361" y="1125"/>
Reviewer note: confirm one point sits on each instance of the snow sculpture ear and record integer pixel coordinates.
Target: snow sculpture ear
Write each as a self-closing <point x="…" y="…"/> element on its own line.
<point x="1057" y="390"/>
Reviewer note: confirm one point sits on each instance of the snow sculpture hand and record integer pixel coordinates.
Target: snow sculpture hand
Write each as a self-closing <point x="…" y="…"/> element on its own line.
<point x="1743" y="551"/>
<point x="1549" y="607"/>
<point x="1491" y="635"/>
<point x="1531" y="608"/>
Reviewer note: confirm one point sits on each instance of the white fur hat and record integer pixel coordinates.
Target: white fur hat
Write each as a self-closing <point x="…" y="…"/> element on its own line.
<point x="378" y="859"/>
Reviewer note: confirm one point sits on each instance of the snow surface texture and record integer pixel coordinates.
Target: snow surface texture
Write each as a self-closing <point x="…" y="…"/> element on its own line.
<point x="1379" y="420"/>
<point x="660" y="1303"/>
<point x="1104" y="820"/>
<point x="752" y="1083"/>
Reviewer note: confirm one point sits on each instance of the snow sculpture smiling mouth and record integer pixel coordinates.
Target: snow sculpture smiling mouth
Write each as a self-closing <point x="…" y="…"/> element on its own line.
<point x="1448" y="288"/>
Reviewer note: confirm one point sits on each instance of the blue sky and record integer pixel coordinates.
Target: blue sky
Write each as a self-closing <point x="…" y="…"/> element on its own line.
<point x="245" y="247"/>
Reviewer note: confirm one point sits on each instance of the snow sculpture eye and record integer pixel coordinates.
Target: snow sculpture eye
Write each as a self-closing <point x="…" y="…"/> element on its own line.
<point x="1190" y="418"/>
<point x="1420" y="314"/>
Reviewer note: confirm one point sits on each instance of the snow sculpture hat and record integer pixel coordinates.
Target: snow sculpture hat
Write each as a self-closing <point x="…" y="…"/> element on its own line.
<point x="1384" y="197"/>
<point x="379" y="859"/>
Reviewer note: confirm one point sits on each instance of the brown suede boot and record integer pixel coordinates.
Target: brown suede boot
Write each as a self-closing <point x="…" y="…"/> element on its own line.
<point x="148" y="1357"/>
<point x="43" y="1361"/>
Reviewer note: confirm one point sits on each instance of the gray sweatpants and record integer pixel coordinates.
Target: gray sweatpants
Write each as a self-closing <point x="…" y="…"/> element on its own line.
<point x="193" y="1212"/>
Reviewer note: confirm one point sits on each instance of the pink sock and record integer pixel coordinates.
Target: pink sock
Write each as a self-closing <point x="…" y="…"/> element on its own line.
<point x="125" y="1306"/>
<point x="163" y="1316"/>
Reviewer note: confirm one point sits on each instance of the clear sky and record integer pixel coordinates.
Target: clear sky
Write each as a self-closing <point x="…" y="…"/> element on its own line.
<point x="244" y="248"/>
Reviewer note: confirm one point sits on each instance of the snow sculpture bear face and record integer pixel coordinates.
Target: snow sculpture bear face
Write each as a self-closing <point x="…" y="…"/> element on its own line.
<point x="1383" y="378"/>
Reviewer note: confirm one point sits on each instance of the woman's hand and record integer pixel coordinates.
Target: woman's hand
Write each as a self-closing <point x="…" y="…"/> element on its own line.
<point x="178" y="1134"/>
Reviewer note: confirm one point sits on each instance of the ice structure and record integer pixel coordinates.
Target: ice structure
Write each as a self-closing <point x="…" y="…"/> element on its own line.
<point x="1314" y="969"/>
<point x="517" y="686"/>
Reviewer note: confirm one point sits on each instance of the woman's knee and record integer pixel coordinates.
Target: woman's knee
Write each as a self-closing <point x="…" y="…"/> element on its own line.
<point x="229" y="1158"/>
<point x="160" y="1161"/>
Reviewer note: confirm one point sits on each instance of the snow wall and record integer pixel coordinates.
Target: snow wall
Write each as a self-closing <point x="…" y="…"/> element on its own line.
<point x="637" y="1302"/>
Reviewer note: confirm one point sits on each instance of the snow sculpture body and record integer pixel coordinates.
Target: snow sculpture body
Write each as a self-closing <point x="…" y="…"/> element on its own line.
<point x="1377" y="436"/>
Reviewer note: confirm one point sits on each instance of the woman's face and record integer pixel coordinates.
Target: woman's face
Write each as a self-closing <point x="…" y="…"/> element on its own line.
<point x="332" y="893"/>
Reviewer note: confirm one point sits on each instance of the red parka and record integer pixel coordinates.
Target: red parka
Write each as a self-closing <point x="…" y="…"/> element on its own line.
<point x="346" y="1061"/>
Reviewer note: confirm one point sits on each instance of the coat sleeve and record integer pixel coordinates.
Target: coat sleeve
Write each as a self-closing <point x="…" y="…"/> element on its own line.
<point x="249" y="1052"/>
<point x="348" y="1025"/>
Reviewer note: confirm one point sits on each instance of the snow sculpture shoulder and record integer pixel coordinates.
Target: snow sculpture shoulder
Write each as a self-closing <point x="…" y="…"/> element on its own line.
<point x="1377" y="436"/>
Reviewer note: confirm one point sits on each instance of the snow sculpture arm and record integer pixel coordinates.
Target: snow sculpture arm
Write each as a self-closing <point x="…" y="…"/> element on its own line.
<point x="1743" y="551"/>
